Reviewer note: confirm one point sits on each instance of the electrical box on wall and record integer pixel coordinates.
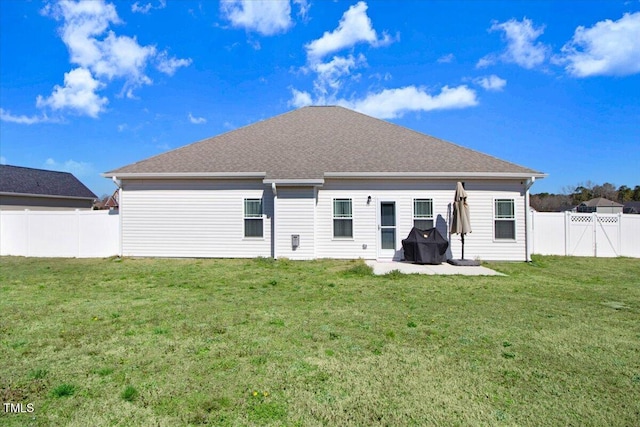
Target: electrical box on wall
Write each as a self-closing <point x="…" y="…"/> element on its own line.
<point x="295" y="241"/>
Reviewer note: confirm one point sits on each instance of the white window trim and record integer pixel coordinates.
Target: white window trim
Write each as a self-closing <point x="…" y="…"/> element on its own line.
<point x="333" y="217"/>
<point x="514" y="219"/>
<point x="413" y="211"/>
<point x="245" y="217"/>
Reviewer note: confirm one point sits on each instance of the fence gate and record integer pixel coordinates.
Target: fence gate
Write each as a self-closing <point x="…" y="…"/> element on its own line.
<point x="580" y="235"/>
<point x="593" y="235"/>
<point x="607" y="242"/>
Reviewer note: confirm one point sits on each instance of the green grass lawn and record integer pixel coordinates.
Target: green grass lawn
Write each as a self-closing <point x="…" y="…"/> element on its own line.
<point x="262" y="342"/>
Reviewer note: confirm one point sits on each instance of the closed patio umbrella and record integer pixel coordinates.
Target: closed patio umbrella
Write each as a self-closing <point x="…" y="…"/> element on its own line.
<point x="461" y="223"/>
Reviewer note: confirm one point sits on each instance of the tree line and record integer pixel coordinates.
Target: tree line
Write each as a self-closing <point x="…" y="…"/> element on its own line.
<point x="574" y="195"/>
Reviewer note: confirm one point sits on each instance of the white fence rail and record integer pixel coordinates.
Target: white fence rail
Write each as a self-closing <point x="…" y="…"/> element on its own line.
<point x="579" y="234"/>
<point x="79" y="234"/>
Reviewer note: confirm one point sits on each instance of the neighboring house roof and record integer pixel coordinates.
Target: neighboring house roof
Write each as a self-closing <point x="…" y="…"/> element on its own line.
<point x="17" y="180"/>
<point x="600" y="202"/>
<point x="112" y="200"/>
<point x="631" y="207"/>
<point x="312" y="143"/>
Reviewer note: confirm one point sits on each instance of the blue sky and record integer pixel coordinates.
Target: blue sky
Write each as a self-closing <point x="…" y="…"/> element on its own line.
<point x="555" y="86"/>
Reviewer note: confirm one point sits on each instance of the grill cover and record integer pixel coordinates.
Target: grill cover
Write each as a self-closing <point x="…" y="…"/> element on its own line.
<point x="425" y="246"/>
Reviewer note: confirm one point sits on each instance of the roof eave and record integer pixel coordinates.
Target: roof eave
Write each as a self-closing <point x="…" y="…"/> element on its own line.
<point x="185" y="175"/>
<point x="436" y="175"/>
<point x="294" y="182"/>
<point x="47" y="196"/>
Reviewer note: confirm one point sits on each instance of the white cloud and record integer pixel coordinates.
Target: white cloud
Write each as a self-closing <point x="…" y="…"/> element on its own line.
<point x="78" y="169"/>
<point x="330" y="73"/>
<point x="492" y="82"/>
<point x="610" y="48"/>
<point x="6" y="116"/>
<point x="78" y="94"/>
<point x="170" y="65"/>
<point x="144" y="9"/>
<point x="137" y="8"/>
<point x="392" y="103"/>
<point x="486" y="61"/>
<point x="101" y="55"/>
<point x="3" y="160"/>
<point x="445" y="59"/>
<point x="266" y="17"/>
<point x="354" y="27"/>
<point x="303" y="8"/>
<point x="522" y="48"/>
<point x="197" y="120"/>
<point x="300" y="99"/>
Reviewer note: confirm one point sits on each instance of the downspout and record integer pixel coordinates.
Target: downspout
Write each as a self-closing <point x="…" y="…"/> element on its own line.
<point x="528" y="219"/>
<point x="273" y="220"/>
<point x="118" y="183"/>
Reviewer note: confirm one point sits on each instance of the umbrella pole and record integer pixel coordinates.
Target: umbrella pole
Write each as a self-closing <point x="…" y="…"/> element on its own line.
<point x="462" y="235"/>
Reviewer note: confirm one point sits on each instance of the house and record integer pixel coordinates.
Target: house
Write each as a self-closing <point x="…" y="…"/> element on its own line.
<point x="599" y="205"/>
<point x="38" y="189"/>
<point x="632" y="207"/>
<point x="319" y="182"/>
<point x="108" y="202"/>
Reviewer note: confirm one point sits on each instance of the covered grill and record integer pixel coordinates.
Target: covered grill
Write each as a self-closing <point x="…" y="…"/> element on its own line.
<point x="425" y="246"/>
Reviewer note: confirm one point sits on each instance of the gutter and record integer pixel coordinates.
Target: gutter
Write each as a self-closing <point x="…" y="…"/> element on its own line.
<point x="118" y="183"/>
<point x="435" y="175"/>
<point x="294" y="182"/>
<point x="528" y="219"/>
<point x="274" y="240"/>
<point x="46" y="196"/>
<point x="185" y="175"/>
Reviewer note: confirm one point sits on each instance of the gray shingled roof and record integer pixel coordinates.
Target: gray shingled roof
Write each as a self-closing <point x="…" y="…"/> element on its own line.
<point x="306" y="143"/>
<point x="21" y="180"/>
<point x="601" y="202"/>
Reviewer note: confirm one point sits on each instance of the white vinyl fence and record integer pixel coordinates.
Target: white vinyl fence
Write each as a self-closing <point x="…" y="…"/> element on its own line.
<point x="96" y="234"/>
<point x="75" y="234"/>
<point x="590" y="234"/>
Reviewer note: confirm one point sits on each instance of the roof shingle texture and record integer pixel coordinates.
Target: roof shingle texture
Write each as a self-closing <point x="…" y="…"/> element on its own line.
<point x="17" y="179"/>
<point x="306" y="143"/>
<point x="601" y="202"/>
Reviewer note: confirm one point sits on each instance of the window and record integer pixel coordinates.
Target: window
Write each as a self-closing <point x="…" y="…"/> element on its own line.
<point x="423" y="213"/>
<point x="342" y="218"/>
<point x="504" y="219"/>
<point x="253" y="223"/>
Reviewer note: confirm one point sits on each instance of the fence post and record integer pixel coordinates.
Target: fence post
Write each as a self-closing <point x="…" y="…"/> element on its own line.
<point x="619" y="233"/>
<point x="26" y="213"/>
<point x="567" y="232"/>
<point x="594" y="221"/>
<point x="78" y="233"/>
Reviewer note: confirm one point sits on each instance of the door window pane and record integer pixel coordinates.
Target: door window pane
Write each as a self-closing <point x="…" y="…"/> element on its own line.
<point x="388" y="214"/>
<point x="388" y="237"/>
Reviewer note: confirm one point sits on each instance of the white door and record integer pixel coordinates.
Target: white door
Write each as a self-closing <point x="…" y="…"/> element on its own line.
<point x="387" y="229"/>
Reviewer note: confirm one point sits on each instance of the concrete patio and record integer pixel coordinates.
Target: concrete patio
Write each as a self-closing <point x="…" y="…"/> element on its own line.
<point x="384" y="267"/>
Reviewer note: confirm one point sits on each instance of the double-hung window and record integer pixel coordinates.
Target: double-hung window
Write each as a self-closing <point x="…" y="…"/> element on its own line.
<point x="253" y="221"/>
<point x="423" y="213"/>
<point x="342" y="218"/>
<point x="504" y="219"/>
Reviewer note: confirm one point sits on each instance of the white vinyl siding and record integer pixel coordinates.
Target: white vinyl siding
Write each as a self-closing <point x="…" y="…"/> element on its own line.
<point x="479" y="244"/>
<point x="342" y="218"/>
<point x="253" y="221"/>
<point x="504" y="219"/>
<point x="205" y="218"/>
<point x="423" y="213"/>
<point x="295" y="210"/>
<point x="192" y="218"/>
